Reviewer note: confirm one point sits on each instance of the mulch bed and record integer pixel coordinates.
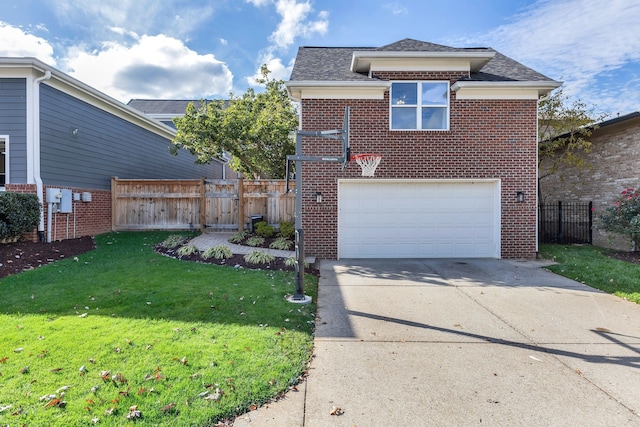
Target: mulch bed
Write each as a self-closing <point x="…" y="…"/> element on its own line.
<point x="633" y="257"/>
<point x="21" y="256"/>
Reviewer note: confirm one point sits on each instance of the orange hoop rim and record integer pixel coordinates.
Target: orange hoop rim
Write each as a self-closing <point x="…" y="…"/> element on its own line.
<point x="354" y="157"/>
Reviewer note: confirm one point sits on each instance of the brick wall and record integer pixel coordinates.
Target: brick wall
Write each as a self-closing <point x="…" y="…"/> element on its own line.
<point x="487" y="139"/>
<point x="88" y="218"/>
<point x="613" y="162"/>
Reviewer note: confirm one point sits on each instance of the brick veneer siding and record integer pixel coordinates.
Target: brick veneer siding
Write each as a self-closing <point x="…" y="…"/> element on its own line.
<point x="89" y="219"/>
<point x="487" y="139"/>
<point x="614" y="164"/>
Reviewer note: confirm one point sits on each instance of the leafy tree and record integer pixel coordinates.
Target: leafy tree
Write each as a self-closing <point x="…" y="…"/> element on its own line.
<point x="254" y="129"/>
<point x="564" y="130"/>
<point x="624" y="216"/>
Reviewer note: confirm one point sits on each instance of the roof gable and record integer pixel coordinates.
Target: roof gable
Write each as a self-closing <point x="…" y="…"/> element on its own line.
<point x="345" y="66"/>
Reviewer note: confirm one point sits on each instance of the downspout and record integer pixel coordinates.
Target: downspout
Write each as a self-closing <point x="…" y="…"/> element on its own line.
<point x="36" y="149"/>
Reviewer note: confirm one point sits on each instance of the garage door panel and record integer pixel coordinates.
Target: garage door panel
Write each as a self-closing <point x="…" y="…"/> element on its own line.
<point x="379" y="219"/>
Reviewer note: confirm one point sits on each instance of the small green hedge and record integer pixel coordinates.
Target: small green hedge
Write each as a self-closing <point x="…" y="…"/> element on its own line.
<point x="19" y="213"/>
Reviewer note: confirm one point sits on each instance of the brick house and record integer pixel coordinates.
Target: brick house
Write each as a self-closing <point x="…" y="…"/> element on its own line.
<point x="612" y="166"/>
<point x="457" y="131"/>
<point x="57" y="132"/>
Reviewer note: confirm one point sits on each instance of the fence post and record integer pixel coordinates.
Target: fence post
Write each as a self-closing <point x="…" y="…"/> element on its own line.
<point x="591" y="223"/>
<point x="203" y="204"/>
<point x="114" y="192"/>
<point x="240" y="204"/>
<point x="560" y="237"/>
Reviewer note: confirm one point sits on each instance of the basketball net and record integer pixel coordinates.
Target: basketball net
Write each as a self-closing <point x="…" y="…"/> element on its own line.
<point x="368" y="163"/>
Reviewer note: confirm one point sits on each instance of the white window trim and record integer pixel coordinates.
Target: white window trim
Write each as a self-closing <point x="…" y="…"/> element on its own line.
<point x="419" y="106"/>
<point x="7" y="169"/>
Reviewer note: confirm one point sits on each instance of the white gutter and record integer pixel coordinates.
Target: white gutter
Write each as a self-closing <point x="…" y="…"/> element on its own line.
<point x="35" y="143"/>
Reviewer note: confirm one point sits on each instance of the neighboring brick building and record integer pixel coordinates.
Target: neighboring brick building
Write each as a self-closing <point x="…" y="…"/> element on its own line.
<point x="457" y="131"/>
<point x="613" y="164"/>
<point x="57" y="132"/>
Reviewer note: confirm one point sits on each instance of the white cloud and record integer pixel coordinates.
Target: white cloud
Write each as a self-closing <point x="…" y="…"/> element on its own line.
<point x="575" y="41"/>
<point x="396" y="8"/>
<point x="154" y="67"/>
<point x="139" y="16"/>
<point x="295" y="22"/>
<point x="16" y="42"/>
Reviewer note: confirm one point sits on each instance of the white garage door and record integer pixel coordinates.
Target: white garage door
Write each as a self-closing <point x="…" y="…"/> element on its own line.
<point x="418" y="219"/>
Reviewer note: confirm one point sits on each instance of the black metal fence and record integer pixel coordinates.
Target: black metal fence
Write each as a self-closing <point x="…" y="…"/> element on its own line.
<point x="565" y="223"/>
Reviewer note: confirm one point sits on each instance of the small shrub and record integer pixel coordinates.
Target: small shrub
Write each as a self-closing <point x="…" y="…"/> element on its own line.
<point x="263" y="229"/>
<point x="19" y="213"/>
<point x="287" y="230"/>
<point x="239" y="236"/>
<point x="187" y="250"/>
<point x="255" y="241"/>
<point x="173" y="241"/>
<point x="218" y="252"/>
<point x="281" y="243"/>
<point x="259" y="257"/>
<point x="624" y="216"/>
<point x="291" y="262"/>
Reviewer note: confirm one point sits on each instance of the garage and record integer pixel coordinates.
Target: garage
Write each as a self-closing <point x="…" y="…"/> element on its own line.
<point x="419" y="219"/>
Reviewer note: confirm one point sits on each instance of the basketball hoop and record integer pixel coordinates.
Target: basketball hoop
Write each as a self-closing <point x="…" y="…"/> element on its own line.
<point x="368" y="162"/>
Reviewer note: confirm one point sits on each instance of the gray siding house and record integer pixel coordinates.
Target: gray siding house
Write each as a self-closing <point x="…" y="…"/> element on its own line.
<point x="165" y="110"/>
<point x="57" y="132"/>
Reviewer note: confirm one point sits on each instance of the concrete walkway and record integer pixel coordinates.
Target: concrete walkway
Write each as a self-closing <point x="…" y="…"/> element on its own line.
<point x="463" y="342"/>
<point x="209" y="240"/>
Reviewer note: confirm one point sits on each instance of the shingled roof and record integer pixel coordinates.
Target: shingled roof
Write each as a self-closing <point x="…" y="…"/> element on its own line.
<point x="334" y="63"/>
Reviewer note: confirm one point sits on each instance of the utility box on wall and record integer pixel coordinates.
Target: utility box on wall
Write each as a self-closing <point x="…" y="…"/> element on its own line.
<point x="66" y="203"/>
<point x="62" y="199"/>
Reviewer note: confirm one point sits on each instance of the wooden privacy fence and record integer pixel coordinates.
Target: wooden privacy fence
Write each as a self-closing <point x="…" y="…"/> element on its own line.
<point x="165" y="204"/>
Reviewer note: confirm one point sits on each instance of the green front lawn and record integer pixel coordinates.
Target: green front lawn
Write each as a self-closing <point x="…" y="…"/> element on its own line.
<point x="590" y="265"/>
<point x="124" y="336"/>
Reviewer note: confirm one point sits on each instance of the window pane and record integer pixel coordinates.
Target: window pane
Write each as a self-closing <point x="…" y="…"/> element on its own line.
<point x="435" y="93"/>
<point x="434" y="118"/>
<point x="403" y="118"/>
<point x="404" y="94"/>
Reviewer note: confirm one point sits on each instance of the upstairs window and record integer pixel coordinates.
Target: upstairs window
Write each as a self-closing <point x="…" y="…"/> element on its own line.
<point x="420" y="105"/>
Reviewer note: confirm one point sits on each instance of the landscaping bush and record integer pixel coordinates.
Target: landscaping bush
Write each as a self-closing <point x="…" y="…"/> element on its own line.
<point x="263" y="229"/>
<point x="287" y="230"/>
<point x="259" y="257"/>
<point x="624" y="216"/>
<point x="218" y="252"/>
<point x="281" y="243"/>
<point x="19" y="213"/>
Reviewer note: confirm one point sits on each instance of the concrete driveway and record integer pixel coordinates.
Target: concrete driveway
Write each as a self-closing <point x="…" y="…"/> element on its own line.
<point x="464" y="342"/>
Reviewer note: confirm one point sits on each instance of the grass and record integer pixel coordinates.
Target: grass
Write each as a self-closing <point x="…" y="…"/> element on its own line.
<point x="127" y="330"/>
<point x="591" y="266"/>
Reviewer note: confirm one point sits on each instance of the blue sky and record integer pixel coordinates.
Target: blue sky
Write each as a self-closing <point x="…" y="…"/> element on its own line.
<point x="191" y="49"/>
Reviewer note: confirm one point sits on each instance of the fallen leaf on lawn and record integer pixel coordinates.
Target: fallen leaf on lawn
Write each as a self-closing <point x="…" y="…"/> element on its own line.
<point x="214" y="396"/>
<point x="18" y="350"/>
<point x="63" y="388"/>
<point x="56" y="402"/>
<point x="134" y="413"/>
<point x="3" y="359"/>
<point x="24" y="370"/>
<point x="18" y="412"/>
<point x="4" y="408"/>
<point x="168" y="407"/>
<point x="54" y="370"/>
<point x="336" y="410"/>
